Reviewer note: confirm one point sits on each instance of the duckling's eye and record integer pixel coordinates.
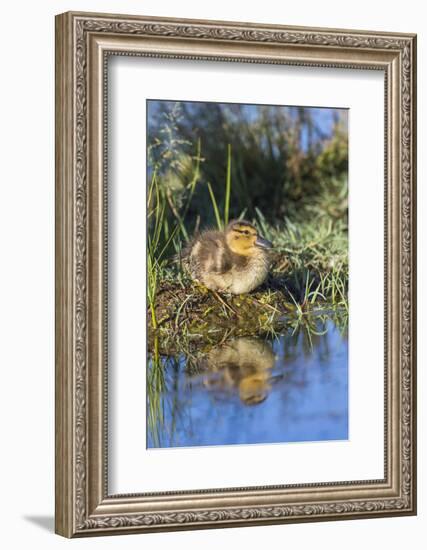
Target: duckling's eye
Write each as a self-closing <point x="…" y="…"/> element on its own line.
<point x="246" y="232"/>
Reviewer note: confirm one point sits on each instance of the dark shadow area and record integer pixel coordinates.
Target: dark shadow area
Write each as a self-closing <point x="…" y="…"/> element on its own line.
<point x="45" y="522"/>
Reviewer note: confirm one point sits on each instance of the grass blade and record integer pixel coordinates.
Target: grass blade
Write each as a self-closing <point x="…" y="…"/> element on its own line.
<point x="227" y="187"/>
<point x="215" y="207"/>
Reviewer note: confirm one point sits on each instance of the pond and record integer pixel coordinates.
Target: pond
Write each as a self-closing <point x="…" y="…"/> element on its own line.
<point x="290" y="387"/>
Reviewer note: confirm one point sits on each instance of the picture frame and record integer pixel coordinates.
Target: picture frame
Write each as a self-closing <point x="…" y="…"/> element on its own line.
<point x="84" y="42"/>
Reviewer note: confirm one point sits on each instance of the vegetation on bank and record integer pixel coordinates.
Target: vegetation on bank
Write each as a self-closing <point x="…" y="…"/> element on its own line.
<point x="281" y="173"/>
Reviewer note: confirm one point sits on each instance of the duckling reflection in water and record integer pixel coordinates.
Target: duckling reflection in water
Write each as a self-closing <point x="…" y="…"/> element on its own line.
<point x="244" y="364"/>
<point x="235" y="260"/>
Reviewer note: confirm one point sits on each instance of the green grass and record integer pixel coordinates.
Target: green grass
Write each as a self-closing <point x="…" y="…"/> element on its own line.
<point x="313" y="257"/>
<point x="309" y="264"/>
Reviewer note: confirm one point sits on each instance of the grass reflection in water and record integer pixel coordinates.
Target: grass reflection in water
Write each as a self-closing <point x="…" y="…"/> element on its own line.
<point x="286" y="387"/>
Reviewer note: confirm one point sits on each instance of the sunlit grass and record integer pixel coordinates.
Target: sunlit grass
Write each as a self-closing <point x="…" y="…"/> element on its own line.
<point x="309" y="263"/>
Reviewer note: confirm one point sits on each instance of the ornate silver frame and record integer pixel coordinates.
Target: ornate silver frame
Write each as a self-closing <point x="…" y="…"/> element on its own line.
<point x="83" y="42"/>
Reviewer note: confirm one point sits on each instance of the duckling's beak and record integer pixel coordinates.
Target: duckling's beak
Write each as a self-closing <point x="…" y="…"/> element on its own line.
<point x="263" y="243"/>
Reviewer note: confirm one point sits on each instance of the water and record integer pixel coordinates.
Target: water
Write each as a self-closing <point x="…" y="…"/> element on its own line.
<point x="290" y="388"/>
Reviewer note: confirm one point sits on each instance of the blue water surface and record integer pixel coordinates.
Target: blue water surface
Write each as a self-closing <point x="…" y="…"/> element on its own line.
<point x="290" y="388"/>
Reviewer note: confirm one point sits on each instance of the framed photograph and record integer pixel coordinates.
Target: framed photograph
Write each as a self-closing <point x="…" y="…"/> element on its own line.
<point x="235" y="274"/>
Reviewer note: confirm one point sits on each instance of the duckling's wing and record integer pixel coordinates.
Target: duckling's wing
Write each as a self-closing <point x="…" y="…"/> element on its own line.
<point x="222" y="264"/>
<point x="211" y="254"/>
<point x="218" y="255"/>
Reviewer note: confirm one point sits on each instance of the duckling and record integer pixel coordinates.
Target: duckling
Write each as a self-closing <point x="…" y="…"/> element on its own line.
<point x="235" y="260"/>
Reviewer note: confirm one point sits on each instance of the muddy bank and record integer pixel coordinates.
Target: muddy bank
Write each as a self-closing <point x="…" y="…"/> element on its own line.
<point x="188" y="317"/>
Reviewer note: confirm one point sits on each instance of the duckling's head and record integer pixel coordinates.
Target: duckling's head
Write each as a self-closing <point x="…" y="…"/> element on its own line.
<point x="243" y="238"/>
